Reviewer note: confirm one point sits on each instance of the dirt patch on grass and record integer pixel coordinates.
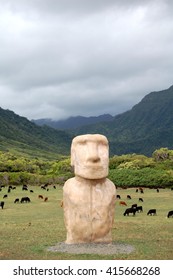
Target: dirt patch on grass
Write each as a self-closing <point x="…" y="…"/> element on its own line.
<point x="92" y="248"/>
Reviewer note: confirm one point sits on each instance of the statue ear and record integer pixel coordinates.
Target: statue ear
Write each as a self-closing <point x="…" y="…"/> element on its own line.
<point x="72" y="157"/>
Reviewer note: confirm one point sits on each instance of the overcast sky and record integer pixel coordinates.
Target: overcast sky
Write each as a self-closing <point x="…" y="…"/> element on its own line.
<point x="62" y="58"/>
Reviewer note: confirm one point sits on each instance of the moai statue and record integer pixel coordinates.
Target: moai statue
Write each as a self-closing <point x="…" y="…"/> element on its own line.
<point x="89" y="197"/>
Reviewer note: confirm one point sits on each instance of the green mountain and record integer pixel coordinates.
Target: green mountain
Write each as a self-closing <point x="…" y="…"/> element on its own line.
<point x="21" y="136"/>
<point x="144" y="128"/>
<point x="73" y="122"/>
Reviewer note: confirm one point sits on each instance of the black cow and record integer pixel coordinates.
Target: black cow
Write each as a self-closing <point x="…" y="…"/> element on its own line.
<point x="5" y="196"/>
<point x="171" y="189"/>
<point x="24" y="188"/>
<point x="130" y="211"/>
<point x="157" y="190"/>
<point x="151" y="212"/>
<point x="2" y="204"/>
<point x="129" y="197"/>
<point x="134" y="205"/>
<point x="170" y="214"/>
<point x="141" y="199"/>
<point x="139" y="209"/>
<point x="25" y="199"/>
<point x="16" y="200"/>
<point x="118" y="196"/>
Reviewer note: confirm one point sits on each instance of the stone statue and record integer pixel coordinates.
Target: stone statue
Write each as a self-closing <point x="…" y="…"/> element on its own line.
<point x="89" y="197"/>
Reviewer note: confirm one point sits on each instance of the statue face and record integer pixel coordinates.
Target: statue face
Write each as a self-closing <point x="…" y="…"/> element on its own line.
<point x="90" y="156"/>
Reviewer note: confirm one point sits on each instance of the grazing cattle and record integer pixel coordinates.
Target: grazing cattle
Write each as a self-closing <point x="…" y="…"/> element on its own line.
<point x="152" y="212"/>
<point x="134" y="205"/>
<point x="157" y="190"/>
<point x="136" y="190"/>
<point x="123" y="203"/>
<point x="5" y="196"/>
<point x="130" y="211"/>
<point x="31" y="191"/>
<point x="118" y="196"/>
<point x="2" y="204"/>
<point x="46" y="199"/>
<point x="141" y="199"/>
<point x="25" y="199"/>
<point x="54" y="187"/>
<point x="171" y="189"/>
<point x="16" y="200"/>
<point x="40" y="196"/>
<point x="129" y="197"/>
<point x="24" y="188"/>
<point x="170" y="214"/>
<point x="43" y="187"/>
<point x="139" y="209"/>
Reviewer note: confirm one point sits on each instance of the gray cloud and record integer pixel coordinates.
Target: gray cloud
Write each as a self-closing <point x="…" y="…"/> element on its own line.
<point x="67" y="58"/>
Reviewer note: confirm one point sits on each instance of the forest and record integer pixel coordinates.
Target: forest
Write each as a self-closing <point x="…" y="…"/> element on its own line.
<point x="129" y="170"/>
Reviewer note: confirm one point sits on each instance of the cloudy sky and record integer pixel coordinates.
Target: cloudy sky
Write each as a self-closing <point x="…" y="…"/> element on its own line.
<point x="61" y="58"/>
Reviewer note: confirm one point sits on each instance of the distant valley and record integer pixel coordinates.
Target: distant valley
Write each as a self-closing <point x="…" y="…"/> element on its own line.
<point x="143" y="129"/>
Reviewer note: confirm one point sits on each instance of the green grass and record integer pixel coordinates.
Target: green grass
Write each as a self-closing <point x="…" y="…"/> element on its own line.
<point x="28" y="229"/>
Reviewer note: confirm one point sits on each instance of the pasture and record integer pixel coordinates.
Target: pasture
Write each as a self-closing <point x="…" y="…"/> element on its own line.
<point x="28" y="229"/>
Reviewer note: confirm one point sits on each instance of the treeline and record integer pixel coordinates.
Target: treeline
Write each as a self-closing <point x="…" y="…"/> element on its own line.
<point x="129" y="170"/>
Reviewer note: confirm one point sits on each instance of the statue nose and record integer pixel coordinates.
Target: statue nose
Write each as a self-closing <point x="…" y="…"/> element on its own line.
<point x="93" y="155"/>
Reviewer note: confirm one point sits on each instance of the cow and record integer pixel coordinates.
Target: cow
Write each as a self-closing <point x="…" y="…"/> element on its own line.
<point x="31" y="191"/>
<point x="25" y="199"/>
<point x="141" y="190"/>
<point x="152" y="212"/>
<point x="141" y="199"/>
<point x="134" y="205"/>
<point x="16" y="200"/>
<point x="5" y="196"/>
<point x="54" y="187"/>
<point x="123" y="203"/>
<point x="136" y="190"/>
<point x="170" y="214"/>
<point x="130" y="211"/>
<point x="157" y="190"/>
<point x="172" y="189"/>
<point x="118" y="196"/>
<point x="2" y="204"/>
<point x="139" y="209"/>
<point x="46" y="199"/>
<point x="40" y="196"/>
<point x="129" y="197"/>
<point x="24" y="188"/>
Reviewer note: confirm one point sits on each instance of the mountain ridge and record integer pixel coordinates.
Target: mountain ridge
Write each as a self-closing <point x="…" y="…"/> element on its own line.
<point x="73" y="122"/>
<point x="143" y="129"/>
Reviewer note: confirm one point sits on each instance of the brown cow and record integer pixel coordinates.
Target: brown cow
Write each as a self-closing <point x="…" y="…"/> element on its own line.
<point x="46" y="199"/>
<point x="40" y="196"/>
<point x="122" y="203"/>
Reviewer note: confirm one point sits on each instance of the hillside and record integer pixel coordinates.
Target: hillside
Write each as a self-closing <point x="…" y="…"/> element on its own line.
<point x="73" y="122"/>
<point x="144" y="128"/>
<point x="20" y="135"/>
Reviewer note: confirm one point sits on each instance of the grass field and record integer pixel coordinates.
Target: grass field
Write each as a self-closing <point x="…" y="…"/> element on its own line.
<point x="28" y="229"/>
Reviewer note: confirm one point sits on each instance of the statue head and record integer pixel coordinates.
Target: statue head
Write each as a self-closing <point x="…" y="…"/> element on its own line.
<point x="90" y="156"/>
